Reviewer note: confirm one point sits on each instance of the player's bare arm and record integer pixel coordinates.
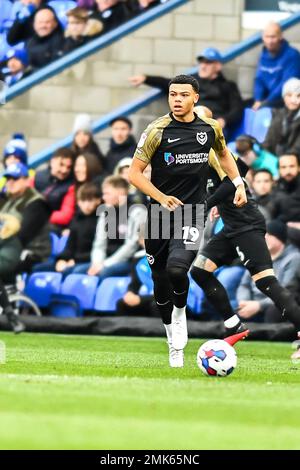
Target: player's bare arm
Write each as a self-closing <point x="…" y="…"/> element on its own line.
<point x="137" y="178"/>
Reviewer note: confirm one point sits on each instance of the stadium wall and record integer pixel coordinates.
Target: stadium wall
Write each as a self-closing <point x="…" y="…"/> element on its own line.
<point x="100" y="83"/>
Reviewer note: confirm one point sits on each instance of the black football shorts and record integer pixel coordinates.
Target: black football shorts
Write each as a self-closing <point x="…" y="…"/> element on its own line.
<point x="249" y="246"/>
<point x="171" y="237"/>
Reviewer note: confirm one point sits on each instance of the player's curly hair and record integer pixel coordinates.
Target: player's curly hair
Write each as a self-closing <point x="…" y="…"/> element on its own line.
<point x="184" y="79"/>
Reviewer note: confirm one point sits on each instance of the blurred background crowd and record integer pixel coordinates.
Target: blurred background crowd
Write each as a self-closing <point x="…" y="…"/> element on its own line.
<point x="48" y="217"/>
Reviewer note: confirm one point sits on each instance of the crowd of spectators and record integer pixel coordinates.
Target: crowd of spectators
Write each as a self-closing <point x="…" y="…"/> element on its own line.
<point x="36" y="32"/>
<point x="64" y="197"/>
<point x="278" y="62"/>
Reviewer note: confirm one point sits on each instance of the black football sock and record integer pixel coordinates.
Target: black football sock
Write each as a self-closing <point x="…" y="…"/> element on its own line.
<point x="165" y="310"/>
<point x="282" y="298"/>
<point x="162" y="294"/>
<point x="180" y="283"/>
<point x="215" y="292"/>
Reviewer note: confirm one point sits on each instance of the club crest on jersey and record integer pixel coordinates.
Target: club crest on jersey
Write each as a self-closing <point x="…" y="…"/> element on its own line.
<point x="201" y="137"/>
<point x="169" y="158"/>
<point x="150" y="258"/>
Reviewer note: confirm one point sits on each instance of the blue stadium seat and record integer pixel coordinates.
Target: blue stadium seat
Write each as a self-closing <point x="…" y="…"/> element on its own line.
<point x="61" y="7"/>
<point x="109" y="292"/>
<point x="62" y="243"/>
<point x="16" y="8"/>
<point x="54" y="244"/>
<point x="143" y="271"/>
<point x="245" y="126"/>
<point x="3" y="45"/>
<point x="231" y="145"/>
<point x="65" y="306"/>
<point x="261" y="123"/>
<point x="249" y="116"/>
<point x="5" y="15"/>
<point x="230" y="278"/>
<point x="195" y="297"/>
<point x="41" y="286"/>
<point x="57" y="244"/>
<point x="82" y="287"/>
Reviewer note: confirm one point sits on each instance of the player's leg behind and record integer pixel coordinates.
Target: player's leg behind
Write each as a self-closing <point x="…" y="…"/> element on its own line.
<point x="157" y="255"/>
<point x="178" y="265"/>
<point x="214" y="255"/>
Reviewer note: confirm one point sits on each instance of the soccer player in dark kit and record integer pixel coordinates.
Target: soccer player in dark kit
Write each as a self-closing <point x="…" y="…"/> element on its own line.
<point x="243" y="235"/>
<point x="178" y="145"/>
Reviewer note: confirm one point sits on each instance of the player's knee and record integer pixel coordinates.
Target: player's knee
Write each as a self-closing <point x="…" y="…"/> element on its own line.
<point x="176" y="273"/>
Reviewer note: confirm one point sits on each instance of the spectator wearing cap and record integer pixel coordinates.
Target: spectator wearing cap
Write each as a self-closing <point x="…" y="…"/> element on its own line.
<point x="23" y="14"/>
<point x="83" y="140"/>
<point x="80" y="29"/>
<point x="217" y="93"/>
<point x="278" y="62"/>
<point x="55" y="183"/>
<point x="30" y="207"/>
<point x="15" y="66"/>
<point x="111" y="13"/>
<point x="253" y="304"/>
<point x="122" y="143"/>
<point x="46" y="43"/>
<point x="284" y="132"/>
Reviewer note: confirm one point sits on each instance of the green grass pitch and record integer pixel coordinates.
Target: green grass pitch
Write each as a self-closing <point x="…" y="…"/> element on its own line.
<point x="83" y="392"/>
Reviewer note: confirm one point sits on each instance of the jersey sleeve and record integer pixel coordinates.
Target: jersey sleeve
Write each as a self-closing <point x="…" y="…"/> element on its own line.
<point x="215" y="164"/>
<point x="219" y="144"/>
<point x="148" y="143"/>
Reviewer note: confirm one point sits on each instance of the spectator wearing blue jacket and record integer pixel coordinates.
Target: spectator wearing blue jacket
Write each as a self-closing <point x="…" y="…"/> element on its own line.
<point x="277" y="63"/>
